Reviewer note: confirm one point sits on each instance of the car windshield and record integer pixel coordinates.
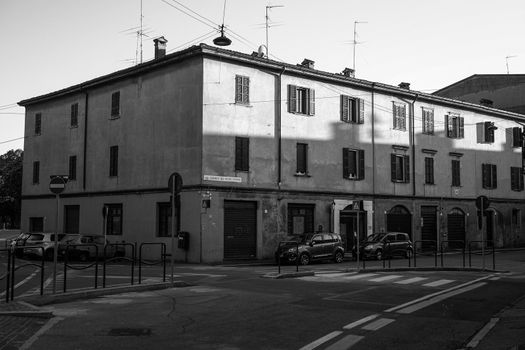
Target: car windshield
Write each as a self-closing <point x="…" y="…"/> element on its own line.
<point x="36" y="237"/>
<point x="376" y="237"/>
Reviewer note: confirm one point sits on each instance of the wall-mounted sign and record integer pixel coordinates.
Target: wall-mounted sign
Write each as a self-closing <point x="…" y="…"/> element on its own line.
<point x="222" y="178"/>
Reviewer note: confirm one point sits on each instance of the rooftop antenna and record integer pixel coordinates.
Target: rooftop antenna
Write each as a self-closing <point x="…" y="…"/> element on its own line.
<point x="141" y="31"/>
<point x="355" y="42"/>
<point x="222" y="40"/>
<point x="507" y="61"/>
<point x="267" y="26"/>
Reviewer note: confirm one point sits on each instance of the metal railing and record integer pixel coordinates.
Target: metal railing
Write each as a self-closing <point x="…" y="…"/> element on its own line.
<point x="447" y="242"/>
<point x="83" y="267"/>
<point x="162" y="259"/>
<point x="480" y="243"/>
<point x="117" y="257"/>
<point x="421" y="252"/>
<point x="12" y="268"/>
<point x="278" y="257"/>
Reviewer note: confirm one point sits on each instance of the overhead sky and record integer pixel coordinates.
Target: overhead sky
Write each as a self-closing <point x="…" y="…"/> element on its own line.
<point x="50" y="45"/>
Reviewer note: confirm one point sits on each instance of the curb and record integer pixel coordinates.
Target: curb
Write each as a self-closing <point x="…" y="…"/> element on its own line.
<point x="288" y="275"/>
<point x="94" y="293"/>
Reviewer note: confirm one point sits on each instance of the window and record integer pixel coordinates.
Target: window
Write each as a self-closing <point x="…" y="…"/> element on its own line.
<point x="516" y="217"/>
<point x="400" y="168"/>
<point x="300" y="218"/>
<point x="428" y="121"/>
<point x="489" y="176"/>
<point x="163" y="219"/>
<point x="353" y="164"/>
<point x="36" y="172"/>
<point x="352" y="110"/>
<point x="242" y="154"/>
<point x="114" y="219"/>
<point x="38" y="123"/>
<point x="242" y="89"/>
<point x="113" y="161"/>
<point x="301" y="100"/>
<point x="456" y="173"/>
<point x="516" y="179"/>
<point x="115" y="104"/>
<point x="74" y="115"/>
<point x="36" y="224"/>
<point x="302" y="159"/>
<point x="399" y="113"/>
<point x="72" y="168"/>
<point x="454" y="126"/>
<point x="517" y="137"/>
<point x="486" y="132"/>
<point x="429" y="170"/>
<point x="71" y="218"/>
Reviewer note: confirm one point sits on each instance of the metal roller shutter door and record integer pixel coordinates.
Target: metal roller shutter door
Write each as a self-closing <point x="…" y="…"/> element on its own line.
<point x="240" y="230"/>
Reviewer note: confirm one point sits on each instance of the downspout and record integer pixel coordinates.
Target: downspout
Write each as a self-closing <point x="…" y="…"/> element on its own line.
<point x="373" y="160"/>
<point x="413" y="143"/>
<point x="85" y="140"/>
<point x="278" y="126"/>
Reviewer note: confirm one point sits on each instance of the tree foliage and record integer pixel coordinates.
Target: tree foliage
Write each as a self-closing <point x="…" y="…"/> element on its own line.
<point x="10" y="188"/>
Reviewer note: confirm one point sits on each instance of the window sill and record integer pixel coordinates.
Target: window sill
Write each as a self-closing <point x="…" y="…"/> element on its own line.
<point x="241" y="104"/>
<point x="427" y="184"/>
<point x="113" y="117"/>
<point x="302" y="175"/>
<point x="353" y="178"/>
<point x="73" y="127"/>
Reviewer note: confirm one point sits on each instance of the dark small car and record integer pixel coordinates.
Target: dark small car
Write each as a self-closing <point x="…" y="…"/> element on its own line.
<point x="313" y="246"/>
<point x="385" y="244"/>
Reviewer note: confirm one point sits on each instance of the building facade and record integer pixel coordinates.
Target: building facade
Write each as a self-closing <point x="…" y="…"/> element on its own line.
<point x="267" y="150"/>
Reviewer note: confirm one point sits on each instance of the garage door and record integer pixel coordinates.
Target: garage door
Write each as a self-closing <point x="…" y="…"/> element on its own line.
<point x="240" y="230"/>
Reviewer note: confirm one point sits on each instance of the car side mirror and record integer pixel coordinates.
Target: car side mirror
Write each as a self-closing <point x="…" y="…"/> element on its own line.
<point x="312" y="243"/>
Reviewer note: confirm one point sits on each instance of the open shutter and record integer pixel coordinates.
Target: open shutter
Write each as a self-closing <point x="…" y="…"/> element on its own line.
<point x="361" y="108"/>
<point x="246" y="154"/>
<point x="407" y="168"/>
<point x="393" y="171"/>
<point x="447" y="125"/>
<point x="513" y="178"/>
<point x="246" y="90"/>
<point x="311" y="102"/>
<point x="346" y="170"/>
<point x="361" y="162"/>
<point x="494" y="176"/>
<point x="461" y="128"/>
<point x="292" y="98"/>
<point x="485" y="175"/>
<point x="345" y="109"/>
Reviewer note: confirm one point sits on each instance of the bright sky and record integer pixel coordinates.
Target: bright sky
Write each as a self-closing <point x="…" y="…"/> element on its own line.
<point x="50" y="45"/>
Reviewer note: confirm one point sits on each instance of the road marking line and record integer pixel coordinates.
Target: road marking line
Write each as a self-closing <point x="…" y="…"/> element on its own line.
<point x="322" y="340"/>
<point x="437" y="293"/>
<point x="482" y="333"/>
<point x="360" y="322"/>
<point x="438" y="283"/>
<point x="23" y="281"/>
<point x="41" y="331"/>
<point x="412" y="280"/>
<point x="495" y="278"/>
<point x="345" y="343"/>
<point x="385" y="278"/>
<point x="374" y="326"/>
<point x="425" y="303"/>
<point x="329" y="274"/>
<point x="359" y="276"/>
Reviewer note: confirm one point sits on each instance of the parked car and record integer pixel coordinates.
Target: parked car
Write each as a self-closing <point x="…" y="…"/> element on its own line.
<point x="18" y="242"/>
<point x="385" y="244"/>
<point x="313" y="246"/>
<point x="82" y="247"/>
<point x="46" y="240"/>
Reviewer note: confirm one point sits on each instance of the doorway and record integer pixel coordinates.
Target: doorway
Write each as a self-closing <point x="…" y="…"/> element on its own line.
<point x="348" y="228"/>
<point x="399" y="219"/>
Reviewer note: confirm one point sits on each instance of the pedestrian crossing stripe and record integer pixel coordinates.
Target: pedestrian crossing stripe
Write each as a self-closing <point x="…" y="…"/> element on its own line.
<point x="412" y="280"/>
<point x="342" y="277"/>
<point x="438" y="283"/>
<point x="385" y="278"/>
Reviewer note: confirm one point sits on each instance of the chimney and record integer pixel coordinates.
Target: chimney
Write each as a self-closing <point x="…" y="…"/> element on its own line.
<point x="404" y="85"/>
<point x="160" y="47"/>
<point x="486" y="102"/>
<point x="349" y="72"/>
<point x="308" y="63"/>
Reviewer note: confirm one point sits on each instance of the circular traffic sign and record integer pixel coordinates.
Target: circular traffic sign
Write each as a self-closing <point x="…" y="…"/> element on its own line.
<point x="482" y="201"/>
<point x="57" y="185"/>
<point x="175" y="183"/>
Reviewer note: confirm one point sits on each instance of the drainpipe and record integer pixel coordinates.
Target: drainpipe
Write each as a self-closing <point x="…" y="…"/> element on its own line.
<point x="85" y="139"/>
<point x="373" y="160"/>
<point x="278" y="126"/>
<point x="413" y="144"/>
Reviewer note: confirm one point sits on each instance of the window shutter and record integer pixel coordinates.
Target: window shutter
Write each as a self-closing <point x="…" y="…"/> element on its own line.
<point x="394" y="114"/>
<point x="115" y="103"/>
<point x="246" y="90"/>
<point x="311" y="101"/>
<point x="393" y="171"/>
<point x="346" y="169"/>
<point x="520" y="179"/>
<point x="301" y="157"/>
<point x="246" y="154"/>
<point x="461" y="128"/>
<point x="361" y="156"/>
<point x="431" y="122"/>
<point x="407" y="168"/>
<point x="361" y="108"/>
<point x="431" y="169"/>
<point x="345" y="109"/>
<point x="494" y="176"/>
<point x="292" y="98"/>
<point x="485" y="175"/>
<point x="447" y="125"/>
<point x="517" y="137"/>
<point x="513" y="179"/>
<point x="238" y="153"/>
<point x="238" y="88"/>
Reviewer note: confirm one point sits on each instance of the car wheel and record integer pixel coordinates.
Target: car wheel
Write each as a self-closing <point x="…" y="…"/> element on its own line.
<point x="49" y="254"/>
<point x="338" y="257"/>
<point x="408" y="253"/>
<point x="304" y="259"/>
<point x="379" y="255"/>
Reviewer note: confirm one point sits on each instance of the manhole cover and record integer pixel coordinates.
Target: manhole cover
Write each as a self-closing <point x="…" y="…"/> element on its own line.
<point x="138" y="332"/>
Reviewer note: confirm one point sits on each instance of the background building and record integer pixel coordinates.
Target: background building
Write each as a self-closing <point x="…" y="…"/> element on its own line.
<point x="267" y="150"/>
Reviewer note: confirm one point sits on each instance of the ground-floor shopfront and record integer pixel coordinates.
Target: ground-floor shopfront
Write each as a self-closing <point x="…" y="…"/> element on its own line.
<point x="226" y="224"/>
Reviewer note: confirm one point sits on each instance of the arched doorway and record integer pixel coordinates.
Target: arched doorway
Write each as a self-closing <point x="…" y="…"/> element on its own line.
<point x="399" y="219"/>
<point x="348" y="226"/>
<point x="456" y="228"/>
<point x="490" y="226"/>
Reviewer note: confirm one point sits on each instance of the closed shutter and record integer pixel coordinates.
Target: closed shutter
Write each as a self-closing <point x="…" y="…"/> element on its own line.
<point x="494" y="176"/>
<point x="346" y="170"/>
<point x="311" y="101"/>
<point x="361" y="104"/>
<point x="393" y="170"/>
<point x="485" y="173"/>
<point x="238" y="88"/>
<point x="240" y="230"/>
<point x="345" y="109"/>
<point x="447" y="126"/>
<point x="456" y="230"/>
<point x="115" y="103"/>
<point x="407" y="168"/>
<point x="461" y="128"/>
<point x="302" y="152"/>
<point x="361" y="156"/>
<point x="292" y="98"/>
<point x="246" y="90"/>
<point x="456" y="177"/>
<point x="428" y="227"/>
<point x="513" y="179"/>
<point x="517" y="137"/>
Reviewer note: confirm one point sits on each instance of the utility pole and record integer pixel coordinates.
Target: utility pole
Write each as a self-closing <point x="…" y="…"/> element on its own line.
<point x="267" y="26"/>
<point x="355" y="40"/>
<point x="507" y="61"/>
